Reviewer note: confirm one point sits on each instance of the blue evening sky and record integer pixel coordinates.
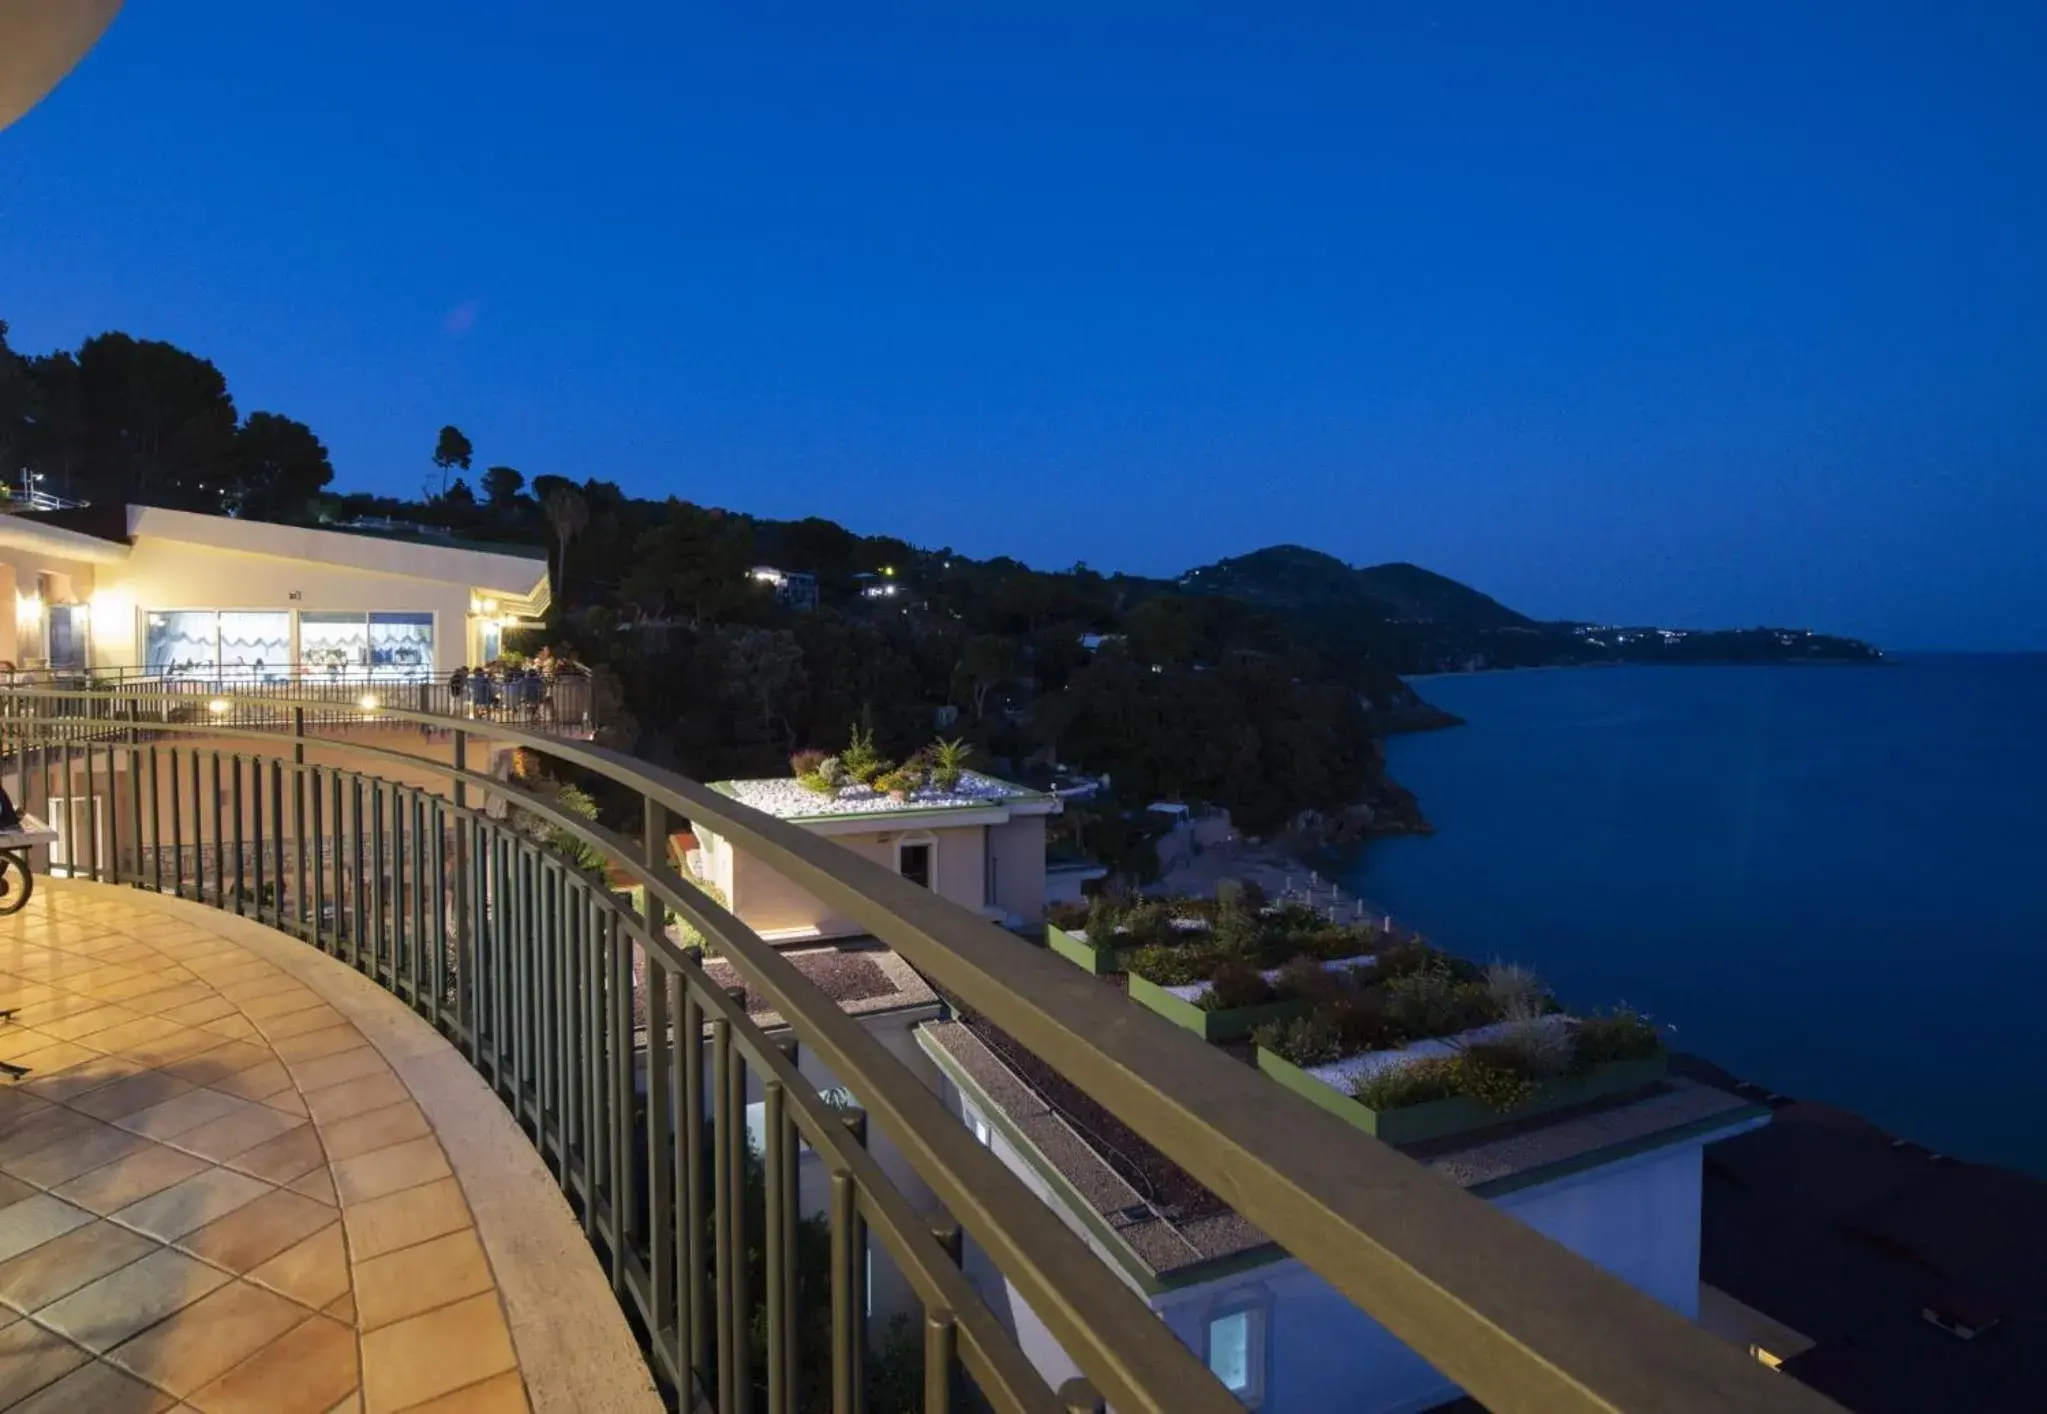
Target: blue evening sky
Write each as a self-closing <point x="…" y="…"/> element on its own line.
<point x="1705" y="314"/>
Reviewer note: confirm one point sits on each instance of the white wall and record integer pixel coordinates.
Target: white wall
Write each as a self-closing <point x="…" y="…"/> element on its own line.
<point x="1637" y="1218"/>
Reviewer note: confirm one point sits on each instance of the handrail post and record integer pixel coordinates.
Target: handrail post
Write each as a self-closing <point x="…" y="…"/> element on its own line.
<point x="465" y="975"/>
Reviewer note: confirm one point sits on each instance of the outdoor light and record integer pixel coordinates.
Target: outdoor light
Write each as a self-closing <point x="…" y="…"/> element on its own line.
<point x="219" y="706"/>
<point x="368" y="702"/>
<point x="490" y="606"/>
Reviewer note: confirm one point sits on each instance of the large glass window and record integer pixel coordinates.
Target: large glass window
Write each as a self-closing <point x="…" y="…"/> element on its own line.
<point x="254" y="644"/>
<point x="182" y="642"/>
<point x="402" y="645"/>
<point x="334" y="642"/>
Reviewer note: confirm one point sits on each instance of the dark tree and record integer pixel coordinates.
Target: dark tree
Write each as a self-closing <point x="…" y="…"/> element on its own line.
<point x="159" y="424"/>
<point x="451" y="450"/>
<point x="501" y="485"/>
<point x="280" y="467"/>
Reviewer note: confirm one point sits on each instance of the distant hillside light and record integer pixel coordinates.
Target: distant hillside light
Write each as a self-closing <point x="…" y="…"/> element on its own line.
<point x="40" y="42"/>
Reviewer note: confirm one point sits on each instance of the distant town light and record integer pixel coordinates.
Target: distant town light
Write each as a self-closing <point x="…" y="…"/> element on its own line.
<point x="368" y="702"/>
<point x="219" y="706"/>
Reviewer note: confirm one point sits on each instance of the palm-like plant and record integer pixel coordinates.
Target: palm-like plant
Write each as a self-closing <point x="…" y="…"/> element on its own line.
<point x="948" y="760"/>
<point x="569" y="514"/>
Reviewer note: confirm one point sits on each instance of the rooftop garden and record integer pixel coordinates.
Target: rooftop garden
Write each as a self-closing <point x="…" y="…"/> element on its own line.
<point x="937" y="770"/>
<point x="1393" y="1035"/>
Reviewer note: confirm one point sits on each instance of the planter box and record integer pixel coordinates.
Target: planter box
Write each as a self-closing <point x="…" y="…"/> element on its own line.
<point x="1438" y="1119"/>
<point x="1213" y="1025"/>
<point x="1076" y="949"/>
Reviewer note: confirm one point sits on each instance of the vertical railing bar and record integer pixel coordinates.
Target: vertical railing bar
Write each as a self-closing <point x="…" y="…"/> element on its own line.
<point x="358" y="931"/>
<point x="92" y="800"/>
<point x="298" y="819"/>
<point x="845" y="1293"/>
<point x="723" y="1144"/>
<point x="379" y="941"/>
<point x="321" y="935"/>
<point x="443" y="1011"/>
<point x="156" y="814"/>
<point x="256" y="819"/>
<point x="776" y="1167"/>
<point x="219" y="856"/>
<point x="235" y="767"/>
<point x="276" y="844"/>
<point x="177" y="827"/>
<point x="593" y="1148"/>
<point x="660" y="1173"/>
<point x="418" y="811"/>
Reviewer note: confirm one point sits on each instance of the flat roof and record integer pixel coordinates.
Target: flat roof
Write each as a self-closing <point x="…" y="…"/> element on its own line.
<point x="1176" y="1232"/>
<point x="786" y="799"/>
<point x="862" y="975"/>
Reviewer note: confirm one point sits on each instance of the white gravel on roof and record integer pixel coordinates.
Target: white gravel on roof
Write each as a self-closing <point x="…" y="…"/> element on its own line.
<point x="784" y="798"/>
<point x="1343" y="1074"/>
<point x="1191" y="992"/>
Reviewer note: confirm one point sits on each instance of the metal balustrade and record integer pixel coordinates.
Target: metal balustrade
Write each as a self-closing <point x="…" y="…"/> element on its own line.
<point x="561" y="699"/>
<point x="630" y="1072"/>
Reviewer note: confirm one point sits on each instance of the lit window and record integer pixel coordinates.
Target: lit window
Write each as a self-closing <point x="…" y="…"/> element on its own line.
<point x="1236" y="1349"/>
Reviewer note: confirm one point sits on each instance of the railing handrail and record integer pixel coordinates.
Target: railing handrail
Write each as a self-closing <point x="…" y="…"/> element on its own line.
<point x="1518" y="1321"/>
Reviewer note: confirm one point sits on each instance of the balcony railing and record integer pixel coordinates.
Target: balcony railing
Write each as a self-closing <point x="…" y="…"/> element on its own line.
<point x="631" y="1072"/>
<point x="559" y="699"/>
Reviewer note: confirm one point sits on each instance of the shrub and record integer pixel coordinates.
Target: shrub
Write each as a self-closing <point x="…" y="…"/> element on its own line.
<point x="805" y="763"/>
<point x="1168" y="966"/>
<point x="1539" y="1047"/>
<point x="1625" y="1035"/>
<point x="1414" y="1082"/>
<point x="1306" y="1040"/>
<point x="1073" y="917"/>
<point x="1149" y="924"/>
<point x="1102" y="916"/>
<point x="948" y="760"/>
<point x="1236" y="984"/>
<point x="1516" y="992"/>
<point x="861" y="761"/>
<point x="1493" y="1076"/>
<point x="1359" y="1016"/>
<point x="1427" y="1001"/>
<point x="1305" y="977"/>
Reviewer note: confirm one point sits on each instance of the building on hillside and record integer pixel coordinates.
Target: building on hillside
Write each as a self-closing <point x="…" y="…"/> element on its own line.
<point x="128" y="588"/>
<point x="1618" y="1183"/>
<point x="792" y="588"/>
<point x="196" y="620"/>
<point x="980" y="845"/>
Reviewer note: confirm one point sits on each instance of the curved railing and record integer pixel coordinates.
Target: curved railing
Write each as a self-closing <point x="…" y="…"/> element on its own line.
<point x="629" y="1068"/>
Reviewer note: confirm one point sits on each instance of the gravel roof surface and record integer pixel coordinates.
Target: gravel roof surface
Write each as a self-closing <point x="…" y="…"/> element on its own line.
<point x="784" y="798"/>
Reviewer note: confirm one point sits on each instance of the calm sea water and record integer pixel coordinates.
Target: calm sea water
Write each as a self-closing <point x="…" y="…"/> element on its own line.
<point x="1832" y="881"/>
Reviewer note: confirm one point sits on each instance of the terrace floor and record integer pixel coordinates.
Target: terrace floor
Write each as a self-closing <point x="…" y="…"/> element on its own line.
<point x="241" y="1179"/>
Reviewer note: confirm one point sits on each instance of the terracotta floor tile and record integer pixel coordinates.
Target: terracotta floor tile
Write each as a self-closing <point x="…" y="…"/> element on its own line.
<point x="210" y="1008"/>
<point x="30" y="1223"/>
<point x="13" y="1190"/>
<point x="312" y="1045"/>
<point x="383" y="1171"/>
<point x="78" y="1025"/>
<point x="434" y="1354"/>
<point x="336" y="1069"/>
<point x="234" y="1028"/>
<point x="415" y="1279"/>
<point x="405" y="1218"/>
<point x="289" y="1102"/>
<point x="187" y="1111"/>
<point x="18" y="1105"/>
<point x="212" y="1066"/>
<point x="137" y="1032"/>
<point x="120" y="989"/>
<point x="269" y="982"/>
<point x="342" y="1308"/>
<point x="40" y="1129"/>
<point x="54" y="1058"/>
<point x="376" y="1129"/>
<point x="78" y="1152"/>
<point x="32" y="1358"/>
<point x="186" y="1207"/>
<point x="96" y="1388"/>
<point x="114" y="1186"/>
<point x="291" y="1155"/>
<point x="308" y="1370"/>
<point x="186" y="1042"/>
<point x="313" y="1273"/>
<point x="102" y="1315"/>
<point x="318" y="1184"/>
<point x="237" y="1133"/>
<point x="500" y="1394"/>
<point x="86" y="1076"/>
<point x="127" y="1097"/>
<point x="60" y="1266"/>
<point x="283" y="1002"/>
<point x="208" y="1338"/>
<point x="354" y="1097"/>
<point x="256" y="1083"/>
<point x="301" y="1023"/>
<point x="252" y="1235"/>
<point x="170" y="999"/>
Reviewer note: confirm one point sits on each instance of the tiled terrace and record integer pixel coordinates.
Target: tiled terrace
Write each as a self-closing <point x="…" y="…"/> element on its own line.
<point x="242" y="1180"/>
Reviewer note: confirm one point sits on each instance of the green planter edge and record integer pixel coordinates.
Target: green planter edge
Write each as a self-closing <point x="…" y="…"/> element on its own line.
<point x="1076" y="949"/>
<point x="1439" y="1119"/>
<point x="1213" y="1025"/>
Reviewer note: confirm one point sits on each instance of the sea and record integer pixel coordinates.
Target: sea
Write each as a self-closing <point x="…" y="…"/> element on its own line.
<point x="1831" y="881"/>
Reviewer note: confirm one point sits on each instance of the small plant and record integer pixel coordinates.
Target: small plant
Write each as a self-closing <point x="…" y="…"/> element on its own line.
<point x="1625" y="1035"/>
<point x="1102" y="917"/>
<point x="824" y="775"/>
<point x="1073" y="917"/>
<point x="1149" y="924"/>
<point x="1359" y="1016"/>
<point x="1517" y="992"/>
<point x="1236" y="984"/>
<point x="948" y="760"/>
<point x="805" y="763"/>
<point x="1496" y="1076"/>
<point x="861" y="761"/>
<point x="1306" y="1040"/>
<point x="1416" y="1082"/>
<point x="899" y="783"/>
<point x="1166" y="965"/>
